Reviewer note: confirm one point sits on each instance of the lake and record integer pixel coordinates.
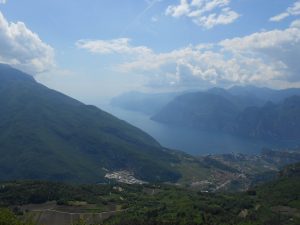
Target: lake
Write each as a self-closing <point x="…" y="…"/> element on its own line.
<point x="193" y="141"/>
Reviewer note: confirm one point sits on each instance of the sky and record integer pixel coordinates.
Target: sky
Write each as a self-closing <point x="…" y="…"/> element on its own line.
<point x="97" y="49"/>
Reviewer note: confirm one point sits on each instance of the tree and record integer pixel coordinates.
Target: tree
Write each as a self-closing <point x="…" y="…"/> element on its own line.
<point x="8" y="218"/>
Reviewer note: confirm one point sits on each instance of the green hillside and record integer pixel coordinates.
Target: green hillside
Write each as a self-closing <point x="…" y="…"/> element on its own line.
<point x="47" y="135"/>
<point x="274" y="203"/>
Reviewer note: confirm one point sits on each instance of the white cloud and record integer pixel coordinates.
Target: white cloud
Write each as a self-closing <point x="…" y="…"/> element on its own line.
<point x="226" y="17"/>
<point x="293" y="10"/>
<point x="22" y="48"/>
<point x="296" y="24"/>
<point x="154" y="19"/>
<point x="263" y="58"/>
<point x="205" y="13"/>
<point x="207" y="66"/>
<point x="119" y="46"/>
<point x="275" y="47"/>
<point x="279" y="17"/>
<point x="2" y="1"/>
<point x="179" y="10"/>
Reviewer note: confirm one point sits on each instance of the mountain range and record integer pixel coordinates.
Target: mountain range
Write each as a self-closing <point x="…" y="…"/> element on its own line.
<point x="242" y="96"/>
<point x="247" y="111"/>
<point x="46" y="135"/>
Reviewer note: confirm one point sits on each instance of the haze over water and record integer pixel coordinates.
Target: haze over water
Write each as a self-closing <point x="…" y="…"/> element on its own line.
<point x="193" y="141"/>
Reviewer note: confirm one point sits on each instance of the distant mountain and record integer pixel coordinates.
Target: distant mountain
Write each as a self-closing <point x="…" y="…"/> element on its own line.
<point x="263" y="93"/>
<point x="143" y="102"/>
<point x="241" y="96"/>
<point x="243" y="111"/>
<point x="241" y="101"/>
<point x="199" y="110"/>
<point x="280" y="121"/>
<point x="50" y="136"/>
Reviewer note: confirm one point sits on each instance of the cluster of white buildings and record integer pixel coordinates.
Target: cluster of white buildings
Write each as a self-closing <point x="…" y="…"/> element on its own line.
<point x="124" y="176"/>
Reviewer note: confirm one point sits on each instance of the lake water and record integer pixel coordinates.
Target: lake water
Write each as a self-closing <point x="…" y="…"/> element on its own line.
<point x="192" y="141"/>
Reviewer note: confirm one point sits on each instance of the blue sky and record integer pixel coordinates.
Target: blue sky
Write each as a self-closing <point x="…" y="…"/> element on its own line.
<point x="100" y="48"/>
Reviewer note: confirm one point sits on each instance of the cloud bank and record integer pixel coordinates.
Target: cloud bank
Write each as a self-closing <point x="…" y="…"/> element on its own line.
<point x="205" y="13"/>
<point x="22" y="48"/>
<point x="262" y="58"/>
